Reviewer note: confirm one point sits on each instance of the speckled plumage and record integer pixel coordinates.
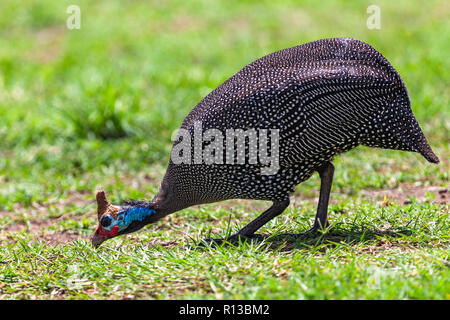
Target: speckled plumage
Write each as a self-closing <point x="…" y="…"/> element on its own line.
<point x="326" y="97"/>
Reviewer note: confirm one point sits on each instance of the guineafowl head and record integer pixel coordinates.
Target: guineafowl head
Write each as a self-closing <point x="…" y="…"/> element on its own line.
<point x="118" y="220"/>
<point x="393" y="126"/>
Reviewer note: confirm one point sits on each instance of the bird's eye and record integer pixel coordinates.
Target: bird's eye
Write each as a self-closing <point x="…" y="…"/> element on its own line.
<point x="106" y="221"/>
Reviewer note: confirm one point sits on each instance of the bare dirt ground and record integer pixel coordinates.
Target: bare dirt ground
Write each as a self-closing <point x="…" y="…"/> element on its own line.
<point x="41" y="227"/>
<point x="404" y="193"/>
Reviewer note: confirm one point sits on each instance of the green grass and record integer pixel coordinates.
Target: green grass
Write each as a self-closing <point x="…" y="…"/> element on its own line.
<point x="397" y="252"/>
<point x="96" y="107"/>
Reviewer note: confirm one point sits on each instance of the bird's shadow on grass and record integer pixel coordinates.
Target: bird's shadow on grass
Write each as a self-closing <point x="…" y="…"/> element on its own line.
<point x="353" y="235"/>
<point x="321" y="240"/>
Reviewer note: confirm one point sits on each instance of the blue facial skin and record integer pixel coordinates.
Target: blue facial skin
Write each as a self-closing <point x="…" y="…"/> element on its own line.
<point x="127" y="216"/>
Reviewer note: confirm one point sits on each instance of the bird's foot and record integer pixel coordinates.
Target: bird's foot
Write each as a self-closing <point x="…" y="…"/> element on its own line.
<point x="289" y="235"/>
<point x="310" y="233"/>
<point x="234" y="239"/>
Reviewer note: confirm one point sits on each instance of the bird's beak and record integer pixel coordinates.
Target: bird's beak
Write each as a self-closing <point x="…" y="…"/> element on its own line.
<point x="97" y="239"/>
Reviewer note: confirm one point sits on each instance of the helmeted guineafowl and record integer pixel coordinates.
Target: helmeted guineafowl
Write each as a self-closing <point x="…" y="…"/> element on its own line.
<point x="309" y="103"/>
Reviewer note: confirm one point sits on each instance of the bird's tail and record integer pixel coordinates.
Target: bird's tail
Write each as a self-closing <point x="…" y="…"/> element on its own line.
<point x="425" y="150"/>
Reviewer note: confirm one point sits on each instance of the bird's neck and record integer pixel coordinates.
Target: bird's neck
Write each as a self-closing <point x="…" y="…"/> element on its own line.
<point x="166" y="200"/>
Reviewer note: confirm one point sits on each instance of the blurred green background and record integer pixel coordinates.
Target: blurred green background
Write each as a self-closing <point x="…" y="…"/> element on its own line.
<point x="95" y="107"/>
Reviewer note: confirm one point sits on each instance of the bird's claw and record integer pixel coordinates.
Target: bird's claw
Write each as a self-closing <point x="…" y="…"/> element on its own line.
<point x="311" y="232"/>
<point x="234" y="239"/>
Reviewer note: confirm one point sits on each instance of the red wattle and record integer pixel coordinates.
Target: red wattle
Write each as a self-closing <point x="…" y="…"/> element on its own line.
<point x="107" y="234"/>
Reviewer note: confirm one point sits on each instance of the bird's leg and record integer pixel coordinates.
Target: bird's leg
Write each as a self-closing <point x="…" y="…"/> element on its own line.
<point x="326" y="173"/>
<point x="249" y="230"/>
<point x="326" y="180"/>
<point x="276" y="209"/>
